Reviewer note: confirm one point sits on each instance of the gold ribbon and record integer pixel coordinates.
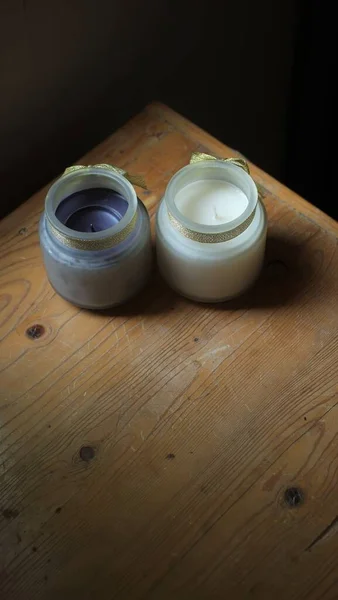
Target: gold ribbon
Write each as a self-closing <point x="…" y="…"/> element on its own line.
<point x="93" y="243"/>
<point x="133" y="179"/>
<point x="238" y="162"/>
<point x="99" y="243"/>
<point x="225" y="236"/>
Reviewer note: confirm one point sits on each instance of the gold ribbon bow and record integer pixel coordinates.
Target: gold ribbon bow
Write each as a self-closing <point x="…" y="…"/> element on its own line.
<point x="133" y="179"/>
<point x="238" y="162"/>
<point x="214" y="238"/>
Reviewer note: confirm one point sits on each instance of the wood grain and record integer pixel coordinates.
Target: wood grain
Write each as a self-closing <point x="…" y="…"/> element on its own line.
<point x="146" y="452"/>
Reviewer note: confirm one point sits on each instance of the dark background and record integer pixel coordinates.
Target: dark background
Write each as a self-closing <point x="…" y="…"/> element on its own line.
<point x="259" y="75"/>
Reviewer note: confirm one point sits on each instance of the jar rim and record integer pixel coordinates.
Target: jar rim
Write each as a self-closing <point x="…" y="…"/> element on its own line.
<point x="230" y="173"/>
<point x="82" y="179"/>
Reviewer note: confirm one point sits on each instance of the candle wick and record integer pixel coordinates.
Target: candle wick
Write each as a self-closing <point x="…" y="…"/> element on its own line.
<point x="92" y="227"/>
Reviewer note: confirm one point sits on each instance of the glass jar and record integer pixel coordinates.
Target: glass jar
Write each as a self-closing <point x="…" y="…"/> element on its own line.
<point x="99" y="267"/>
<point x="211" y="262"/>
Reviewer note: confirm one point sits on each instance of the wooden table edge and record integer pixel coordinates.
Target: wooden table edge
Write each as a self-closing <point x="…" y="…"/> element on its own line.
<point x="199" y="136"/>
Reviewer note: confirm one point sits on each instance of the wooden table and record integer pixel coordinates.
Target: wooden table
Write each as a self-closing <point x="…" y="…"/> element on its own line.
<point x="165" y="449"/>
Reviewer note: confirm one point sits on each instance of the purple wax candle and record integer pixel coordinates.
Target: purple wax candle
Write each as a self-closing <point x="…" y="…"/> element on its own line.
<point x="95" y="237"/>
<point x="92" y="210"/>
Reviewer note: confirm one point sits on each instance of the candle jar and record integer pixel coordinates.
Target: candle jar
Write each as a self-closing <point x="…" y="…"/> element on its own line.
<point x="204" y="255"/>
<point x="95" y="237"/>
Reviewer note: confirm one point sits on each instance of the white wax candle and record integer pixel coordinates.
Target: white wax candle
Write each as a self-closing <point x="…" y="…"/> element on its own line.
<point x="211" y="202"/>
<point x="202" y="252"/>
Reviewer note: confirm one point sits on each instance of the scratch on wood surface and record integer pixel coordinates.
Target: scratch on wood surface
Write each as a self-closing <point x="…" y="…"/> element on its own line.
<point x="65" y="344"/>
<point x="220" y="349"/>
<point x="212" y="353"/>
<point x="328" y="532"/>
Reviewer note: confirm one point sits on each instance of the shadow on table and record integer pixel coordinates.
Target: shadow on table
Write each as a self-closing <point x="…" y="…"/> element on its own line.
<point x="288" y="269"/>
<point x="155" y="298"/>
